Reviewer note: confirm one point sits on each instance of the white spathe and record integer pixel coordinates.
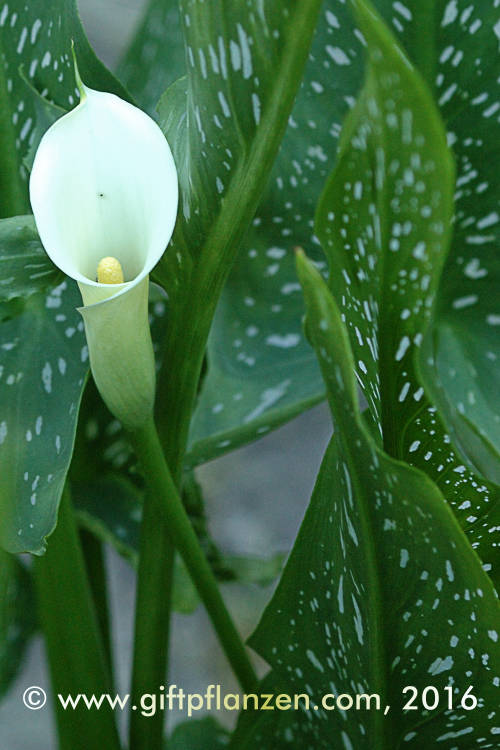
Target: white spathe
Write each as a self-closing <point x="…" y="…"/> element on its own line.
<point x="104" y="183"/>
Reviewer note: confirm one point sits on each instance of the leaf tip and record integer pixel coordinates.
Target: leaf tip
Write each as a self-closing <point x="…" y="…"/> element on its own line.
<point x="79" y="83"/>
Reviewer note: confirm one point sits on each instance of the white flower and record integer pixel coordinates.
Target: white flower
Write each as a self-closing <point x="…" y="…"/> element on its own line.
<point x="104" y="185"/>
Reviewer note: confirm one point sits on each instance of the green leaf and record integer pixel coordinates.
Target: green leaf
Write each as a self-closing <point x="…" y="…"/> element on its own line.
<point x="260" y="570"/>
<point x="145" y="68"/>
<point x="225" y="122"/>
<point x="459" y="366"/>
<point x="382" y="589"/>
<point x="46" y="113"/>
<point x="261" y="372"/>
<point x="43" y="364"/>
<point x="111" y="508"/>
<point x="24" y="265"/>
<point x="228" y="50"/>
<point x="454" y="45"/>
<point x="17" y="617"/>
<point x="238" y="403"/>
<point x="254" y="381"/>
<point x="185" y="598"/>
<point x="38" y="37"/>
<point x="385" y="223"/>
<point x="43" y="354"/>
<point x="198" y="734"/>
<point x="260" y="729"/>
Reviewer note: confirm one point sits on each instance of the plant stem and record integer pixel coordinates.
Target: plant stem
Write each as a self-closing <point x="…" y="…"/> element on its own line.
<point x="93" y="554"/>
<point x="152" y="626"/>
<point x="169" y="506"/>
<point x="74" y="647"/>
<point x="155" y="573"/>
<point x="157" y="553"/>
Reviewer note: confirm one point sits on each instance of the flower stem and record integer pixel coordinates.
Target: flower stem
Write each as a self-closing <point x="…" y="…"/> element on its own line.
<point x="152" y="625"/>
<point x="76" y="655"/>
<point x="168" y="505"/>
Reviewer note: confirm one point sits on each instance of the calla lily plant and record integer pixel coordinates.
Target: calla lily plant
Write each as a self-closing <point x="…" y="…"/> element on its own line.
<point x="104" y="195"/>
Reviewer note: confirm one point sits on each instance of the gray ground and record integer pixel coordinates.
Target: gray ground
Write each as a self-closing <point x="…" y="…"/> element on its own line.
<point x="256" y="499"/>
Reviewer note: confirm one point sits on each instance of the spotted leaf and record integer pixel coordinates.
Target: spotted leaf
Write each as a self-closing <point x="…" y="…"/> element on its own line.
<point x="260" y="371"/>
<point x="43" y="364"/>
<point x="459" y="366"/>
<point x="35" y="43"/>
<point x="382" y="591"/>
<point x="42" y="348"/>
<point x="257" y="331"/>
<point x="24" y="265"/>
<point x="145" y="69"/>
<point x="225" y="121"/>
<point x="385" y="222"/>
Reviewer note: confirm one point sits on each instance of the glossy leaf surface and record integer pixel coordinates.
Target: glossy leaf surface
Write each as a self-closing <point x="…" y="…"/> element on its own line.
<point x="42" y="371"/>
<point x="24" y="265"/>
<point x="385" y="221"/>
<point x="382" y="591"/>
